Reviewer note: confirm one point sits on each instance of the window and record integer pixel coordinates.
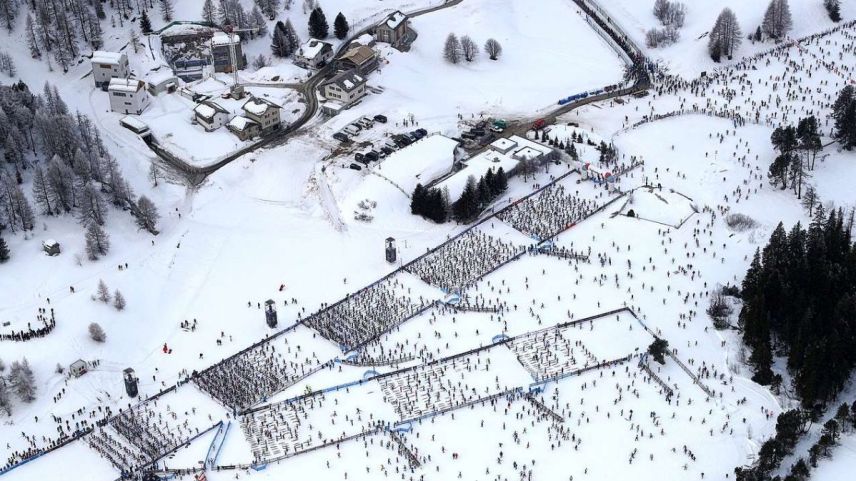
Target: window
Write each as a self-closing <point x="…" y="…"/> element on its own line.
<point x="119" y="94"/>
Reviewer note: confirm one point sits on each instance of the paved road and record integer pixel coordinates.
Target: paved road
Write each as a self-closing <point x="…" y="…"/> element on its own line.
<point x="195" y="175"/>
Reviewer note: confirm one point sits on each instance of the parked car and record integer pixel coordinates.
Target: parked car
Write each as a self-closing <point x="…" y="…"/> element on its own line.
<point x="356" y="126"/>
<point x="468" y="136"/>
<point x="341" y="137"/>
<point x="539" y="124"/>
<point x="402" y="141"/>
<point x="418" y="134"/>
<point x="380" y="118"/>
<point x="386" y="150"/>
<point x="350" y="130"/>
<point x="359" y="157"/>
<point x="422" y="131"/>
<point x="372" y="156"/>
<point x="366" y="122"/>
<point x="355" y="167"/>
<point x="477" y="132"/>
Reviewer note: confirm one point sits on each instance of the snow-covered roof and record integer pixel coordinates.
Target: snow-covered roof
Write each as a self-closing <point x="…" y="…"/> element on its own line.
<point x="331" y="105"/>
<point x="503" y="144"/>
<point x="180" y="29"/>
<point x="208" y="109"/>
<point x="112" y="58"/>
<point x="420" y="162"/>
<point x="347" y="80"/>
<point x="129" y="85"/>
<point x="527" y="153"/>
<point x="395" y="19"/>
<point x="50" y="243"/>
<point x="239" y="122"/>
<point x="223" y="38"/>
<point x="133" y="122"/>
<point x="163" y="74"/>
<point x="313" y="47"/>
<point x="524" y="142"/>
<point x="258" y="106"/>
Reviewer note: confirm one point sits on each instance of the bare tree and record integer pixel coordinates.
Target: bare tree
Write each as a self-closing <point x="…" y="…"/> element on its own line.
<point x="96" y="333"/>
<point x="493" y="48"/>
<point x="469" y="48"/>
<point x="725" y="36"/>
<point x="777" y="19"/>
<point x="452" y="49"/>
<point x="97" y="241"/>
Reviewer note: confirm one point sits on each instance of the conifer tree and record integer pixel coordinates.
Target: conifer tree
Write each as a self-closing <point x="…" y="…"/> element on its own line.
<point x="318" y="27"/>
<point x="4" y="252"/>
<point x="340" y="26"/>
<point x="145" y="23"/>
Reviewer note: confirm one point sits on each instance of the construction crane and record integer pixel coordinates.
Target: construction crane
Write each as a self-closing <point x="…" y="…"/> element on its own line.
<point x="237" y="90"/>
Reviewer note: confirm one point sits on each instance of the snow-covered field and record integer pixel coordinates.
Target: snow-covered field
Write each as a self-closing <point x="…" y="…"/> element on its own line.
<point x="279" y="224"/>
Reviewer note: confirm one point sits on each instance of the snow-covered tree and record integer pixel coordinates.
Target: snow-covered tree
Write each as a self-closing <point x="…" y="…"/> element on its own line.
<point x="96" y="332"/>
<point x="97" y="242"/>
<point x="493" y="48"/>
<point x="134" y="39"/>
<point x="4" y="250"/>
<point x="103" y="293"/>
<point x="5" y="402"/>
<point x="8" y="13"/>
<point x="118" y="300"/>
<point x="147" y="214"/>
<point x="91" y="208"/>
<point x="23" y="380"/>
<point x="452" y="49"/>
<point x="257" y="21"/>
<point x="32" y="41"/>
<point x="469" y="48"/>
<point x="145" y="23"/>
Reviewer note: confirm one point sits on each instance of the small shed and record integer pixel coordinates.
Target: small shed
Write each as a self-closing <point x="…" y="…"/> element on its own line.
<point x="51" y="247"/>
<point x="77" y="368"/>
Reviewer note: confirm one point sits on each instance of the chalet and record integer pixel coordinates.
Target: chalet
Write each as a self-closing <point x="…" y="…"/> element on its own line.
<point x="313" y="54"/>
<point x="360" y="58"/>
<point x="210" y="115"/>
<point x="243" y="127"/>
<point x="108" y="65"/>
<point x="128" y="96"/>
<point x="221" y="52"/>
<point x="264" y="113"/>
<point x="395" y="30"/>
<point x="342" y="91"/>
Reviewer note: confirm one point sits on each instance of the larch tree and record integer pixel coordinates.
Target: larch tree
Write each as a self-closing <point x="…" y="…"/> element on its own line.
<point x="725" y="36"/>
<point x="167" y="10"/>
<point x="493" y="48"/>
<point x="147" y="214"/>
<point x="469" y="48"/>
<point x="97" y="242"/>
<point x="103" y="293"/>
<point x="209" y="13"/>
<point x="777" y="19"/>
<point x="119" y="301"/>
<point x="452" y="49"/>
<point x="97" y="333"/>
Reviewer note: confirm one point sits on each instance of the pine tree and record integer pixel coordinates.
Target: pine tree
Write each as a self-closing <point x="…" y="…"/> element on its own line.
<point x="118" y="301"/>
<point x="96" y="332"/>
<point x="23" y="380"/>
<point x="209" y="12"/>
<point x="147" y="214"/>
<point x="452" y="49"/>
<point x="91" y="208"/>
<point x="145" y="23"/>
<point x="501" y="180"/>
<point x="5" y="402"/>
<point x="844" y="113"/>
<point x="833" y="8"/>
<point x="417" y="200"/>
<point x="318" y="27"/>
<point x="292" y="40"/>
<point x="167" y="10"/>
<point x="279" y="42"/>
<point x="340" y="26"/>
<point x="658" y="350"/>
<point x="97" y="242"/>
<point x="4" y="252"/>
<point x="103" y="292"/>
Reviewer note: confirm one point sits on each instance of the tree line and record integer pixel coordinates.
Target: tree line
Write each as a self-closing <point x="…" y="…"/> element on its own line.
<point x="799" y="301"/>
<point x="71" y="171"/>
<point x="433" y="203"/>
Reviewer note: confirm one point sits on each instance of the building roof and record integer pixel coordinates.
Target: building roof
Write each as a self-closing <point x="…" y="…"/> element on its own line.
<point x="358" y="55"/>
<point x="163" y="74"/>
<point x="313" y="47"/>
<point x="50" y="243"/>
<point x="129" y="85"/>
<point x="503" y="144"/>
<point x="528" y="153"/>
<point x="332" y="106"/>
<point x="113" y="58"/>
<point x="524" y="142"/>
<point x="258" y="106"/>
<point x="347" y="80"/>
<point x="240" y="123"/>
<point x="394" y="19"/>
<point x="78" y="363"/>
<point x="208" y="109"/>
<point x="223" y="38"/>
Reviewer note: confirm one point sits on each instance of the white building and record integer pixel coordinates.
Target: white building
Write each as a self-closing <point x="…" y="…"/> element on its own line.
<point x="263" y="112"/>
<point x="343" y="90"/>
<point x="210" y="115"/>
<point x="313" y="54"/>
<point x="109" y="65"/>
<point x="128" y="96"/>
